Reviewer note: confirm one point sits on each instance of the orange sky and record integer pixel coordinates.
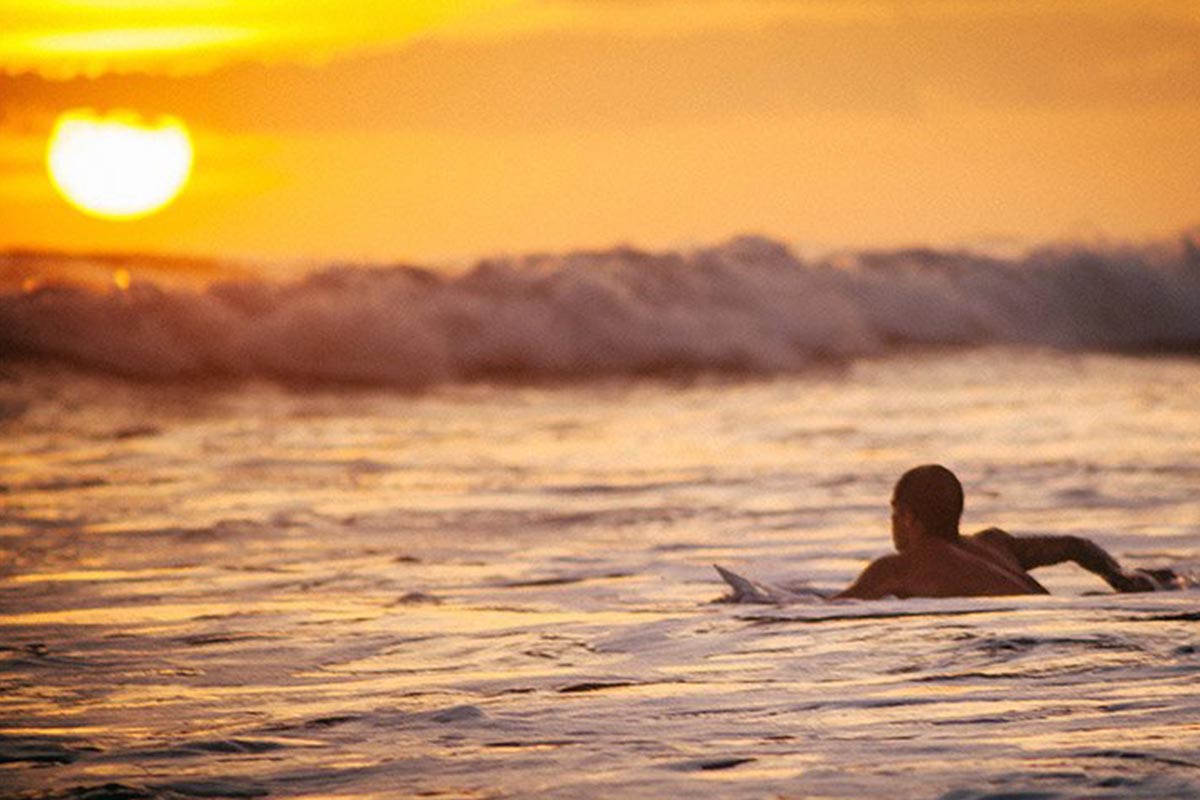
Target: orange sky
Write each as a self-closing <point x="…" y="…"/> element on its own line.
<point x="434" y="130"/>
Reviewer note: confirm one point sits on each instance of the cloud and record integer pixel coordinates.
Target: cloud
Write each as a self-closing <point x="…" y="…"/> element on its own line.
<point x="68" y="38"/>
<point x="62" y="39"/>
<point x="594" y="67"/>
<point x="547" y="78"/>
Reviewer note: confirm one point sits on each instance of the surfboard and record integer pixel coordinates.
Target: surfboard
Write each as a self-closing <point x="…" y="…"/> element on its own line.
<point x="745" y="590"/>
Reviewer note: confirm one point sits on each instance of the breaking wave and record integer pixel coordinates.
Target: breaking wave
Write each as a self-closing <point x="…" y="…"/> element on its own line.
<point x="749" y="305"/>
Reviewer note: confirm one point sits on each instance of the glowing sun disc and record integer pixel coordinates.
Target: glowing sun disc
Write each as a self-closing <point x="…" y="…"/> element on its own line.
<point x="118" y="166"/>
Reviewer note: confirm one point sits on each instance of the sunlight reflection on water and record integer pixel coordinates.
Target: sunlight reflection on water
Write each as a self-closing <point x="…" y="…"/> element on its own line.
<point x="505" y="590"/>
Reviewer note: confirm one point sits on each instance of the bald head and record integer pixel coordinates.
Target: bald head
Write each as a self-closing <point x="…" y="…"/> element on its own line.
<point x="933" y="495"/>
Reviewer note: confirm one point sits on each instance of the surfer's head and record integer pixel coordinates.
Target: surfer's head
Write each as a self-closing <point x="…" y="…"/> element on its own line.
<point x="927" y="501"/>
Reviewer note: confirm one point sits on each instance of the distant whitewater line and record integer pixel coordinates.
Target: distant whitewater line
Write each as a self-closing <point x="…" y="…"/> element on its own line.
<point x="748" y="305"/>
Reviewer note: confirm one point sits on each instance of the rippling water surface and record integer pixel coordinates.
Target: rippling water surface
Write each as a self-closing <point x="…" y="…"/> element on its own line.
<point x="241" y="590"/>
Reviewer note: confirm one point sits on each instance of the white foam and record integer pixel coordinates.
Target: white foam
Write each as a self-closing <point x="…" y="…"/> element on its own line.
<point x="747" y="305"/>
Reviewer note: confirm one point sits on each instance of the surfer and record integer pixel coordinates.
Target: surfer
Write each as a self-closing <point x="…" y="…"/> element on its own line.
<point x="933" y="559"/>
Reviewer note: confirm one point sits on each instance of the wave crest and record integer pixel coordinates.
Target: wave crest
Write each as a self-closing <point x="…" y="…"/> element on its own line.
<point x="747" y="305"/>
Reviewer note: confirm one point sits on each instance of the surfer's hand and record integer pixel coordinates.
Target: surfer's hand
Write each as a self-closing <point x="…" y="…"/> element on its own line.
<point x="1133" y="580"/>
<point x="1167" y="578"/>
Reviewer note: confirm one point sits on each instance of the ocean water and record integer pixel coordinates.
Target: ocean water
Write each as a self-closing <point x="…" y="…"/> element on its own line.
<point x="488" y="573"/>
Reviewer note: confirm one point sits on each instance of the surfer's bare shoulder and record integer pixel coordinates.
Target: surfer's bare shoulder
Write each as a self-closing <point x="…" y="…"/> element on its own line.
<point x="995" y="536"/>
<point x="998" y="543"/>
<point x="884" y="576"/>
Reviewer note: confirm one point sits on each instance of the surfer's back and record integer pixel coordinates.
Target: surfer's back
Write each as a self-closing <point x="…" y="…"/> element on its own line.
<point x="936" y="568"/>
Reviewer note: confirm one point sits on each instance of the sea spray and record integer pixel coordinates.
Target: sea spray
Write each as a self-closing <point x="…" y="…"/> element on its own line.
<point x="749" y="305"/>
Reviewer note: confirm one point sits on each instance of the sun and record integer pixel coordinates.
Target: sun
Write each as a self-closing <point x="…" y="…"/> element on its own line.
<point x="117" y="166"/>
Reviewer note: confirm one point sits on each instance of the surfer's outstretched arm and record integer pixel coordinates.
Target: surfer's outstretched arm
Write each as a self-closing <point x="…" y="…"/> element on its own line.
<point x="1042" y="551"/>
